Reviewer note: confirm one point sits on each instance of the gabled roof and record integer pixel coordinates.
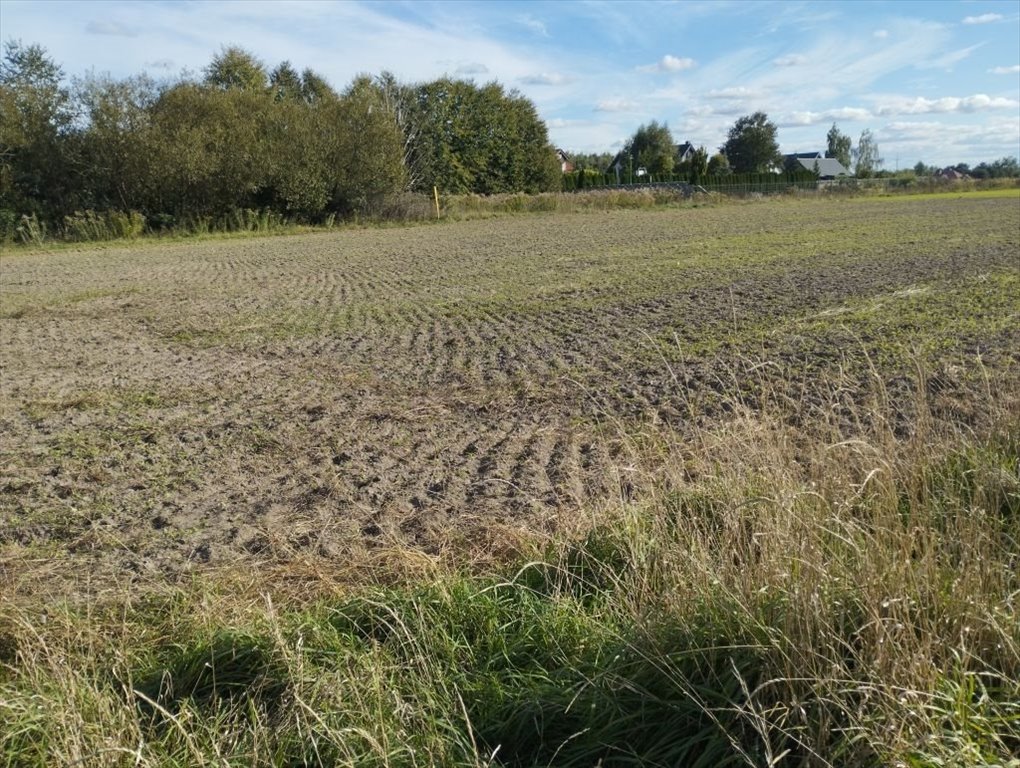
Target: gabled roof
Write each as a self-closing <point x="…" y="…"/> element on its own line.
<point x="950" y="173"/>
<point x="804" y="155"/>
<point x="828" y="167"/>
<point x="682" y="150"/>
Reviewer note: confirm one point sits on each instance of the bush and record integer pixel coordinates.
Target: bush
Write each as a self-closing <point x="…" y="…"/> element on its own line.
<point x="8" y="225"/>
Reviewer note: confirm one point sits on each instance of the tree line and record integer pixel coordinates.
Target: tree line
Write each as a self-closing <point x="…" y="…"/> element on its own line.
<point x="751" y="147"/>
<point x="244" y="136"/>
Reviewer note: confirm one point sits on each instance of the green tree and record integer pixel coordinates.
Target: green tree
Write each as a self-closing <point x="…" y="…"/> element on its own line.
<point x="285" y="82"/>
<point x="115" y="142"/>
<point x="208" y="150"/>
<point x="36" y="133"/>
<point x="315" y="88"/>
<point x="364" y="149"/>
<point x="463" y="138"/>
<point x="866" y="156"/>
<point x="236" y="68"/>
<point x="699" y="164"/>
<point x="751" y="145"/>
<point x="718" y="165"/>
<point x="1005" y="167"/>
<point x="838" y="146"/>
<point x="652" y="148"/>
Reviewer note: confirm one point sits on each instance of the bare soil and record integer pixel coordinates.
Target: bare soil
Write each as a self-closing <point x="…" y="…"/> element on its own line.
<point x="451" y="387"/>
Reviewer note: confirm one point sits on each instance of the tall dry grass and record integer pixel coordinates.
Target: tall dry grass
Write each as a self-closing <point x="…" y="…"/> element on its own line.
<point x="833" y="591"/>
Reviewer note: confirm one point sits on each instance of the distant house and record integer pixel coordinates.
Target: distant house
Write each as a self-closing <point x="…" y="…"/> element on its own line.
<point x="827" y="168"/>
<point x="950" y="174"/>
<point x="565" y="165"/>
<point x="684" y="152"/>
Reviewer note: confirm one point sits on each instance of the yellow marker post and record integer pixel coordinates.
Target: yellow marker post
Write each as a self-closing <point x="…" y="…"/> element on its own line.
<point x="435" y="193"/>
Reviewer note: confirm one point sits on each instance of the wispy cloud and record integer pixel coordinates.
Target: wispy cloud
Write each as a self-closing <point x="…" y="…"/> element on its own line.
<point x="1005" y="70"/>
<point x="113" y="28"/>
<point x="791" y="60"/>
<point x="546" y="78"/>
<point x="881" y="34"/>
<point x="905" y="105"/>
<point x="984" y="18"/>
<point x="535" y="25"/>
<point x="669" y="63"/>
<point x="734" y="93"/>
<point x="950" y="58"/>
<point x="616" y="105"/>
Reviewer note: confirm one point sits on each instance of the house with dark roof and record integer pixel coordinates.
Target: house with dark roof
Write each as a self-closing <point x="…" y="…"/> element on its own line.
<point x="827" y="168"/>
<point x="565" y="164"/>
<point x="950" y="174"/>
<point x="684" y="152"/>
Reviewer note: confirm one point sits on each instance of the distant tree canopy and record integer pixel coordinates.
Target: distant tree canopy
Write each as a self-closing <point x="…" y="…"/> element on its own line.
<point x="751" y="145"/>
<point x="838" y="146"/>
<point x="718" y="165"/>
<point x="867" y="159"/>
<point x="245" y="136"/>
<point x="652" y="148"/>
<point x="462" y="137"/>
<point x="1005" y="167"/>
<point x="696" y="167"/>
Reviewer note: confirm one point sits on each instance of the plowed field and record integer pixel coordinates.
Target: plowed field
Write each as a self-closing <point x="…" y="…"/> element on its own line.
<point x="167" y="406"/>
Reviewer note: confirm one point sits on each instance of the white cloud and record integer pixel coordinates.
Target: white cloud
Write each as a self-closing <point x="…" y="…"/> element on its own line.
<point x="546" y="78"/>
<point x="984" y="18"/>
<point x="904" y="105"/>
<point x="850" y="114"/>
<point x="113" y="28"/>
<point x="533" y="24"/>
<point x="1005" y="70"/>
<point x="881" y="34"/>
<point x="791" y="60"/>
<point x="669" y="63"/>
<point x="734" y="93"/>
<point x="616" y="105"/>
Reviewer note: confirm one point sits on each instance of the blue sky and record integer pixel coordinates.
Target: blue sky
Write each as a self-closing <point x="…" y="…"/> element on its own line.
<point x="934" y="81"/>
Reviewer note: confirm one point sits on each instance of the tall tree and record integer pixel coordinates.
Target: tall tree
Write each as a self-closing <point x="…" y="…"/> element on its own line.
<point x="699" y="164"/>
<point x="838" y="146"/>
<point x="115" y="141"/>
<point x="36" y="121"/>
<point x="285" y="82"/>
<point x="652" y="148"/>
<point x="364" y="148"/>
<point x="751" y="145"/>
<point x="315" y="88"/>
<point x="236" y="68"/>
<point x="866" y="156"/>
<point x="462" y="137"/>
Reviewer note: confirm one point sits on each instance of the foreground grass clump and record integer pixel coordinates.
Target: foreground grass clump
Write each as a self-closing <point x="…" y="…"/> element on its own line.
<point x="783" y="601"/>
